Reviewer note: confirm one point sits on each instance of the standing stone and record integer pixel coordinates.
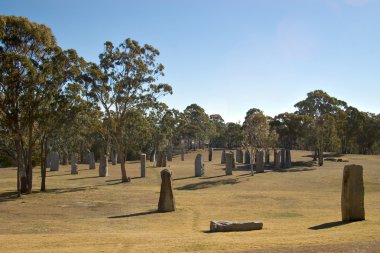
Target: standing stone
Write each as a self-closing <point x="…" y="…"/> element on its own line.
<point x="229" y="162"/>
<point x="54" y="164"/>
<point x="239" y="156"/>
<point x="247" y="157"/>
<point x="152" y="156"/>
<point x="114" y="157"/>
<point x="103" y="166"/>
<point x="352" y="202"/>
<point x="143" y="164"/>
<point x="288" y="159"/>
<point x="223" y="158"/>
<point x="260" y="161"/>
<point x="277" y="159"/>
<point x="182" y="154"/>
<point x="283" y="159"/>
<point x="267" y="156"/>
<point x="48" y="160"/>
<point x="91" y="161"/>
<point x="170" y="153"/>
<point x="163" y="159"/>
<point x="320" y="158"/>
<point x="199" y="166"/>
<point x="159" y="159"/>
<point x="65" y="158"/>
<point x="74" y="165"/>
<point x="210" y="151"/>
<point x="166" y="202"/>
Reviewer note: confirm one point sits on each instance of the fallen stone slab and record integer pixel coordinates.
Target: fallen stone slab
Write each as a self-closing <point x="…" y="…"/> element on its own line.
<point x="229" y="226"/>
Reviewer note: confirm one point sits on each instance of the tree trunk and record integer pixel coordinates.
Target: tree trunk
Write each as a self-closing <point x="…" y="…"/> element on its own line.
<point x="124" y="177"/>
<point x="29" y="160"/>
<point x="22" y="178"/>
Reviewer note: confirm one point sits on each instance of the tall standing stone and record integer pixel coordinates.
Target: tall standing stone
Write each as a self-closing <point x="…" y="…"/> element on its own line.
<point x="54" y="163"/>
<point x="320" y="158"/>
<point x="247" y="157"/>
<point x="210" y="151"/>
<point x="199" y="166"/>
<point x="267" y="156"/>
<point x="229" y="162"/>
<point x="283" y="158"/>
<point x="277" y="159"/>
<point x="223" y="157"/>
<point x="182" y="154"/>
<point x="158" y="159"/>
<point x="170" y="153"/>
<point x="142" y="164"/>
<point x="288" y="159"/>
<point x="103" y="166"/>
<point x="91" y="161"/>
<point x="74" y="165"/>
<point x="260" y="161"/>
<point x="48" y="160"/>
<point x="163" y="158"/>
<point x="239" y="156"/>
<point x="152" y="156"/>
<point x="167" y="201"/>
<point x="352" y="201"/>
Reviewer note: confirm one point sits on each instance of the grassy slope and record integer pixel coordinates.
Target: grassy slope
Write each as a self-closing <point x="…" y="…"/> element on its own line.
<point x="85" y="213"/>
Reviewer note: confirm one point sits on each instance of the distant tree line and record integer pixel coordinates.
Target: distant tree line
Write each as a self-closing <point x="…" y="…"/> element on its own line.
<point x="53" y="100"/>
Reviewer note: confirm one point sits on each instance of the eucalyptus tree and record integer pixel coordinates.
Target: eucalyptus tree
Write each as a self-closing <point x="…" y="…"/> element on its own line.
<point x="126" y="80"/>
<point x="256" y="128"/>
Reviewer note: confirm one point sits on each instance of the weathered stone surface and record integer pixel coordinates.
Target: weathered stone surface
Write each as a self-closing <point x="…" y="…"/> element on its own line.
<point x="260" y="161"/>
<point x="74" y="165"/>
<point x="320" y="157"/>
<point x="167" y="201"/>
<point x="182" y="154"/>
<point x="199" y="166"/>
<point x="142" y="164"/>
<point x="229" y="226"/>
<point x="229" y="162"/>
<point x="247" y="155"/>
<point x="163" y="158"/>
<point x="239" y="156"/>
<point x="152" y="156"/>
<point x="210" y="152"/>
<point x="158" y="159"/>
<point x="267" y="156"/>
<point x="283" y="158"/>
<point x="170" y="153"/>
<point x="91" y="161"/>
<point x="103" y="166"/>
<point x="288" y="158"/>
<point x="54" y="162"/>
<point x="277" y="159"/>
<point x="223" y="157"/>
<point x="48" y="160"/>
<point x="352" y="201"/>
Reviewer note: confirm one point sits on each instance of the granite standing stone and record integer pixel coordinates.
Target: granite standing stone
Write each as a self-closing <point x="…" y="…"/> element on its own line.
<point x="283" y="159"/>
<point x="229" y="162"/>
<point x="114" y="157"/>
<point x="277" y="159"/>
<point x="170" y="153"/>
<point x="182" y="154"/>
<point x="239" y="156"/>
<point x="103" y="166"/>
<point x="288" y="159"/>
<point x="91" y="161"/>
<point x="210" y="151"/>
<point x="142" y="164"/>
<point x="48" y="160"/>
<point x="260" y="161"/>
<point x="164" y="160"/>
<point x="158" y="159"/>
<point x="199" y="166"/>
<point x="54" y="164"/>
<point x="247" y="157"/>
<point x="267" y="156"/>
<point x="166" y="202"/>
<point x="74" y="165"/>
<point x="352" y="201"/>
<point x="223" y="157"/>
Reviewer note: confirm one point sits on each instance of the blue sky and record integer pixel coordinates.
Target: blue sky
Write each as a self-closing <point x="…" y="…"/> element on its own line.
<point x="230" y="56"/>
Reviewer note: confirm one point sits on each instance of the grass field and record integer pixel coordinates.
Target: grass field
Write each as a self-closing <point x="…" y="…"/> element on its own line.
<point x="300" y="209"/>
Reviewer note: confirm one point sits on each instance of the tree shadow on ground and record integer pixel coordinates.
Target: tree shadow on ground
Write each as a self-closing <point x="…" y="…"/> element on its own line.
<point x="79" y="178"/>
<point x="133" y="214"/>
<point x="204" y="185"/>
<point x="67" y="190"/>
<point x="212" y="177"/>
<point x="330" y="225"/>
<point x="57" y="175"/>
<point x="8" y="196"/>
<point x="326" y="155"/>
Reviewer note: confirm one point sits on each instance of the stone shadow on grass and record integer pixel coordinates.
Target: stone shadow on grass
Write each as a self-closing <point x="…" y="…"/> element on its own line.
<point x="182" y="178"/>
<point x="8" y="196"/>
<point x="79" y="178"/>
<point x="133" y="214"/>
<point x="330" y="225"/>
<point x="204" y="185"/>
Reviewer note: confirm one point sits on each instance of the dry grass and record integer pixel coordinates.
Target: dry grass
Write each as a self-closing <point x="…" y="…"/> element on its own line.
<point x="85" y="213"/>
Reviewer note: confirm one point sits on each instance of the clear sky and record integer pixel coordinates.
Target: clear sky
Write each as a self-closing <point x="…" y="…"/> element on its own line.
<point x="232" y="55"/>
